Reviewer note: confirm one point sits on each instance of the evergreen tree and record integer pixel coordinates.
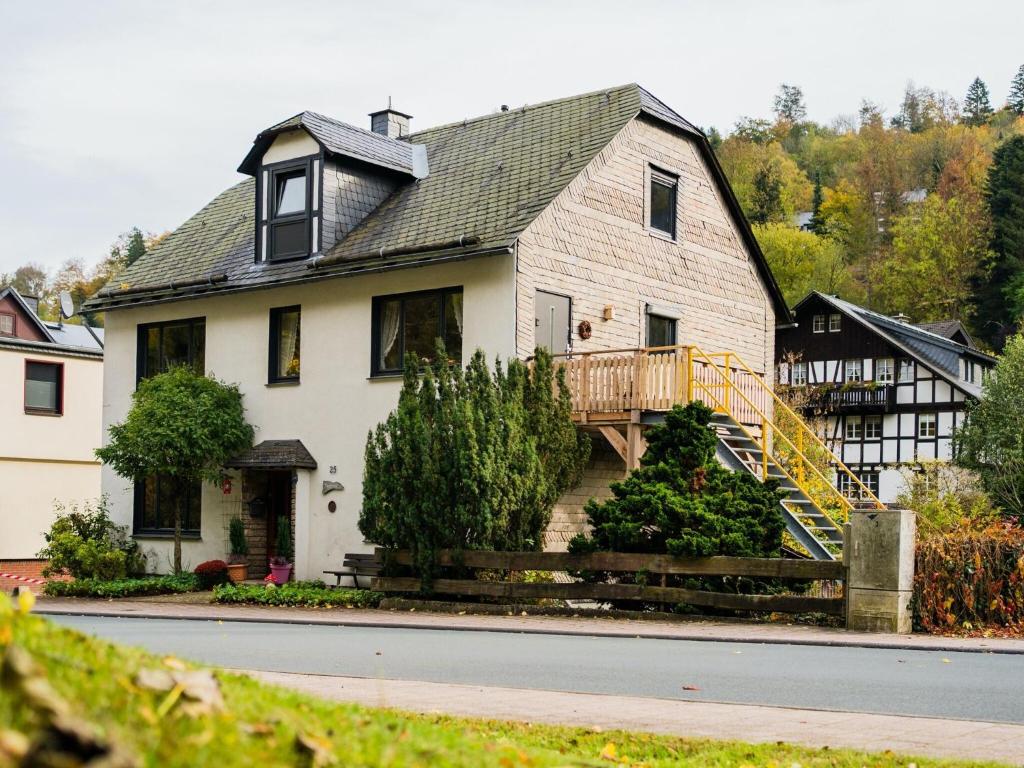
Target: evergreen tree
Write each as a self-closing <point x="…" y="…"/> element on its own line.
<point x="977" y="108"/>
<point x="1015" y="101"/>
<point x="816" y="200"/>
<point x="999" y="287"/>
<point x="766" y="199"/>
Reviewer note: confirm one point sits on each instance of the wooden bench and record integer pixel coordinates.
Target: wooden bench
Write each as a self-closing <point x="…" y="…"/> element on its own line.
<point x="356" y="565"/>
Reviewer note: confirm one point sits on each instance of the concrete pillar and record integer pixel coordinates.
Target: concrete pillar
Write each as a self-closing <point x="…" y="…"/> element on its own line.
<point x="879" y="557"/>
<point x="303" y="528"/>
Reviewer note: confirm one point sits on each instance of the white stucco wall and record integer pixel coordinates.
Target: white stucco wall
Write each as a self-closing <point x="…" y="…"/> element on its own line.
<point x="330" y="411"/>
<point x="45" y="459"/>
<point x="290" y="145"/>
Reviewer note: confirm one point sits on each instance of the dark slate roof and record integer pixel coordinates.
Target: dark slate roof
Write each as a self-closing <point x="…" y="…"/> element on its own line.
<point x="274" y="454"/>
<point x="489" y="177"/>
<point x="949" y="329"/>
<point x="337" y="138"/>
<point x="938" y="352"/>
<point x="66" y="337"/>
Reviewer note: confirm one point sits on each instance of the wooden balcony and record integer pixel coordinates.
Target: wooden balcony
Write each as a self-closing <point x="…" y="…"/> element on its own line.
<point x="855" y="399"/>
<point x="614" y="386"/>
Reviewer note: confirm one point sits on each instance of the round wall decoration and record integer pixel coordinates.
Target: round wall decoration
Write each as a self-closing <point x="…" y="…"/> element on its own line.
<point x="584" y="329"/>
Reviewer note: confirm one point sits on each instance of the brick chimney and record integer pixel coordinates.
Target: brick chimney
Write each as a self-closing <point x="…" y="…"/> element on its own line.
<point x="390" y="122"/>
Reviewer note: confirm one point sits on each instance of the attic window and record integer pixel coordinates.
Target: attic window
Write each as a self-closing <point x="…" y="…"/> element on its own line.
<point x="290" y="210"/>
<point x="663" y="203"/>
<point x="6" y="324"/>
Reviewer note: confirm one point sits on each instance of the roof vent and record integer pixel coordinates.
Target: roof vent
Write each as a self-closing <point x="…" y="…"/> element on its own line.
<point x="390" y="122"/>
<point x="899" y="317"/>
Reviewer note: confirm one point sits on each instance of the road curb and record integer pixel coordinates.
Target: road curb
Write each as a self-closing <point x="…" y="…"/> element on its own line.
<point x="538" y="630"/>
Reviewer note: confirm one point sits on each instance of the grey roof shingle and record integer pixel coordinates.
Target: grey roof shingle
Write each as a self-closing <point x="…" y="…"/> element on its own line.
<point x="274" y="454"/>
<point x="489" y="177"/>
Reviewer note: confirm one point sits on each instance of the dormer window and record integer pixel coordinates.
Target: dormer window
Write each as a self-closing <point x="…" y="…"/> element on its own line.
<point x="289" y="221"/>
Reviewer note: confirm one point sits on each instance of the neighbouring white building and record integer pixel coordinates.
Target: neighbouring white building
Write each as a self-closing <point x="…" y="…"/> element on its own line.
<point x="51" y="377"/>
<point x="594" y="222"/>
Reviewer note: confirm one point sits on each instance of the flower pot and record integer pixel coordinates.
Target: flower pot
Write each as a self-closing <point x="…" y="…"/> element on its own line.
<point x="281" y="573"/>
<point x="238" y="572"/>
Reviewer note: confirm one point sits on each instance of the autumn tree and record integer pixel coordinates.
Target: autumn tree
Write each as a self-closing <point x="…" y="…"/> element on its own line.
<point x="28" y="280"/>
<point x="803" y="261"/>
<point x="789" y="104"/>
<point x="977" y="107"/>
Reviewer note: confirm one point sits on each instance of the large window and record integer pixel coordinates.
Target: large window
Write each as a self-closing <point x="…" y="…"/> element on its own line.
<point x="835" y="322"/>
<point x="163" y="346"/>
<point x="663" y="203"/>
<point x="885" y="370"/>
<point x="154" y="508"/>
<point x="854" y="371"/>
<point x="661" y="331"/>
<point x="285" y="324"/>
<point x="906" y="371"/>
<point x="289" y="212"/>
<point x="818" y="324"/>
<point x="413" y="322"/>
<point x="44" y="388"/>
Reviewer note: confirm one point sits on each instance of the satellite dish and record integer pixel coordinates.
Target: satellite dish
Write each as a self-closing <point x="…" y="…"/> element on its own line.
<point x="67" y="306"/>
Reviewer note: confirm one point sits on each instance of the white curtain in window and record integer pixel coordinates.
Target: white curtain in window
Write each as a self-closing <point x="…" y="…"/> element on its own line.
<point x="457" y="309"/>
<point x="388" y="328"/>
<point x="288" y="352"/>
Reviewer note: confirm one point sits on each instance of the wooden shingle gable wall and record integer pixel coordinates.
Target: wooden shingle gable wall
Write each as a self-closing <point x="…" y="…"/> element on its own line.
<point x="592" y="243"/>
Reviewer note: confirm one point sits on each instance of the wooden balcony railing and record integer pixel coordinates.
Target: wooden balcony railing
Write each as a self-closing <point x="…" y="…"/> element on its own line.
<point x="611" y="383"/>
<point x="874" y="399"/>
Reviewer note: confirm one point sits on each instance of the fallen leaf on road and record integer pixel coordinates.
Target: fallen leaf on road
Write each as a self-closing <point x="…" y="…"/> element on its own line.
<point x="609" y="752"/>
<point x="946" y="661"/>
<point x="691" y="688"/>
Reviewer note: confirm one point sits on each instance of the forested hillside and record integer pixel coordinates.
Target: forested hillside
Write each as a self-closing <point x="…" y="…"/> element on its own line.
<point x="920" y="212"/>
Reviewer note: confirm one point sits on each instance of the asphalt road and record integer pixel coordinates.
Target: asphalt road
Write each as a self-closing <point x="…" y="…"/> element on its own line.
<point x="973" y="686"/>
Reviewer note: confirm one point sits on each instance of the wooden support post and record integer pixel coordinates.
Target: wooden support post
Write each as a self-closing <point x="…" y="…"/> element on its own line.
<point x="616" y="440"/>
<point x="635" y="444"/>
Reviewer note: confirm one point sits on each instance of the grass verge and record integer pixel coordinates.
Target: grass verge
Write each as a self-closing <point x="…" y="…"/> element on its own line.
<point x="146" y="585"/>
<point x="312" y="594"/>
<point x="106" y="692"/>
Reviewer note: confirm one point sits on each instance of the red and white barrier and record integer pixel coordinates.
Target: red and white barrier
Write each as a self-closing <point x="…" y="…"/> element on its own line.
<point x="26" y="579"/>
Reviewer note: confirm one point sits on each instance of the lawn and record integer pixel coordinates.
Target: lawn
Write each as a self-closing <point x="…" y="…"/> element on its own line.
<point x="118" y="695"/>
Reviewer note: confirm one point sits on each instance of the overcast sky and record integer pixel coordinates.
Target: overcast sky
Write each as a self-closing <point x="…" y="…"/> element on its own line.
<point x="121" y="114"/>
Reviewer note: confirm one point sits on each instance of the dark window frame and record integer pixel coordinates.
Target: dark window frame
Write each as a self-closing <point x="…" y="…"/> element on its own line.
<point x="59" y="406"/>
<point x="673" y="325"/>
<point x="14" y="323"/>
<point x="165" y="531"/>
<point x="275" y="171"/>
<point x="671" y="182"/>
<point x="142" y="331"/>
<point x="274" y="375"/>
<point x="376" y="370"/>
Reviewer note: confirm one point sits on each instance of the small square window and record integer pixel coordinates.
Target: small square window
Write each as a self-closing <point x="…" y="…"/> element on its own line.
<point x="44" y="388"/>
<point x="906" y="371"/>
<point x="854" y="371"/>
<point x="872" y="427"/>
<point x="884" y="370"/>
<point x="6" y="324"/>
<point x="661" y="331"/>
<point x="799" y="374"/>
<point x="818" y="324"/>
<point x="663" y="203"/>
<point x="285" y="326"/>
<point x="854" y="428"/>
<point x="834" y="322"/>
<point x="927" y="425"/>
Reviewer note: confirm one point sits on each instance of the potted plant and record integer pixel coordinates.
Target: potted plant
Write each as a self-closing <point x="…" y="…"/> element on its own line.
<point x="281" y="562"/>
<point x="238" y="565"/>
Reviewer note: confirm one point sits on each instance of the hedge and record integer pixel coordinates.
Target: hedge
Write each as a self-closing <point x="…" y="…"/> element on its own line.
<point x="150" y="585"/>
<point x="313" y="594"/>
<point x="966" y="579"/>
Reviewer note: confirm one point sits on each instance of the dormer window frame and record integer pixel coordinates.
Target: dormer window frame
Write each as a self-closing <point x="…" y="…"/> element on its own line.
<point x="269" y="219"/>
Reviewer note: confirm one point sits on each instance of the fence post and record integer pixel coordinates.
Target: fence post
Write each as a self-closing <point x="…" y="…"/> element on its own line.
<point x="878" y="553"/>
<point x="689" y="375"/>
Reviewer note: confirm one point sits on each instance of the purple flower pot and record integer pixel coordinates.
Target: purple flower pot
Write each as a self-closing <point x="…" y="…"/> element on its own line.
<point x="281" y="573"/>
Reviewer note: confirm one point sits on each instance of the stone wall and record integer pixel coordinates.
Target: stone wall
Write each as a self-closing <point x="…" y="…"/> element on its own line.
<point x="568" y="517"/>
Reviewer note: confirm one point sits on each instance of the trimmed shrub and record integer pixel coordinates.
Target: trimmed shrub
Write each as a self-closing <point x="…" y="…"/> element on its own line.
<point x="314" y="594"/>
<point x="85" y="543"/>
<point x="104" y="588"/>
<point x="211" y="573"/>
<point x="966" y="579"/>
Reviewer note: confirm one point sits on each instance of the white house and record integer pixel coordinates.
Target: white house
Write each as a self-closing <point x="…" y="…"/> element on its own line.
<point x="599" y="221"/>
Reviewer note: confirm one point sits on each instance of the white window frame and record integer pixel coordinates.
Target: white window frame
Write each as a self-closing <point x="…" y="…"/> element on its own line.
<point x="927" y="425"/>
<point x="853" y="429"/>
<point x="818" y="324"/>
<point x="798" y="374"/>
<point x="885" y="370"/>
<point x="872" y="427"/>
<point x="905" y="371"/>
<point x="853" y="365"/>
<point x="835" y="322"/>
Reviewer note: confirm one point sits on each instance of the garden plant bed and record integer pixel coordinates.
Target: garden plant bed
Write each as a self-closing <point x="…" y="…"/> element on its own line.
<point x="258" y="724"/>
<point x="130" y="587"/>
<point x="308" y="594"/>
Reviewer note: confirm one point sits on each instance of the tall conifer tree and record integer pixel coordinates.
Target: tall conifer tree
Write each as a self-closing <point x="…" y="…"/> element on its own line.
<point x="977" y="107"/>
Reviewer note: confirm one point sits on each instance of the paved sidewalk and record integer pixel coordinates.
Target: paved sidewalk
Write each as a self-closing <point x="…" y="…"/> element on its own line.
<point x="728" y="631"/>
<point x="905" y="735"/>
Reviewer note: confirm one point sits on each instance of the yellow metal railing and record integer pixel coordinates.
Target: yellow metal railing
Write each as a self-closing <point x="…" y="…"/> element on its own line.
<point x="656" y="378"/>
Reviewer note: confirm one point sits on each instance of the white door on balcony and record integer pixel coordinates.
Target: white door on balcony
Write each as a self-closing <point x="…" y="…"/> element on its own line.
<point x="552" y="322"/>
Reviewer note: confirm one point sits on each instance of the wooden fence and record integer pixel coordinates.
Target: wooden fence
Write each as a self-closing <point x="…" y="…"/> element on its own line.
<point x="654" y="568"/>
